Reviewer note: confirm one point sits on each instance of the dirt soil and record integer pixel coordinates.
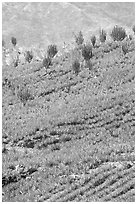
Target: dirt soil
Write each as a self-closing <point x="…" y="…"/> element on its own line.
<point x="74" y="140"/>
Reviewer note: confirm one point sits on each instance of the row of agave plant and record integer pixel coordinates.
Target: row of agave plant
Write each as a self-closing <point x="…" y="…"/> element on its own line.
<point x="117" y="34"/>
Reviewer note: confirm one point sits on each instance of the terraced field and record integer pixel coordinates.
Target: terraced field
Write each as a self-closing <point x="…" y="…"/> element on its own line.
<point x="74" y="139"/>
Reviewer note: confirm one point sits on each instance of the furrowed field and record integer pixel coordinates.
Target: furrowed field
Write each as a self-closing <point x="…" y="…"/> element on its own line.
<point x="67" y="136"/>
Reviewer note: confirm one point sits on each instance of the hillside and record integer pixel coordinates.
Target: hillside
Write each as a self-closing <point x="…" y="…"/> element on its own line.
<point x="45" y="23"/>
<point x="74" y="140"/>
<point x="68" y="130"/>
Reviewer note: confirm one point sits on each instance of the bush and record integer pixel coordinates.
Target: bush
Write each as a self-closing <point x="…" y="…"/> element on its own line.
<point x="118" y="33"/>
<point x="3" y="43"/>
<point x="4" y="149"/>
<point x="52" y="51"/>
<point x="87" y="52"/>
<point x="24" y="95"/>
<point x="125" y="48"/>
<point x="46" y="62"/>
<point x="14" y="41"/>
<point x="16" y="63"/>
<point x="93" y="40"/>
<point x="29" y="56"/>
<point x="76" y="67"/>
<point x="133" y="28"/>
<point x="102" y="36"/>
<point x="79" y="38"/>
<point x="130" y="37"/>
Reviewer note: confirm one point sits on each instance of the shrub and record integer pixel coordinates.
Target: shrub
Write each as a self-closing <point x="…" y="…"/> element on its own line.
<point x="52" y="51"/>
<point x="24" y="95"/>
<point x="93" y="40"/>
<point x="118" y="33"/>
<point x="79" y="38"/>
<point x="46" y="62"/>
<point x="125" y="48"/>
<point x="76" y="67"/>
<point x="16" y="63"/>
<point x="87" y="52"/>
<point x="130" y="37"/>
<point x="102" y="36"/>
<point x="133" y="28"/>
<point x="14" y="41"/>
<point x="4" y="149"/>
<point x="29" y="56"/>
<point x="3" y="43"/>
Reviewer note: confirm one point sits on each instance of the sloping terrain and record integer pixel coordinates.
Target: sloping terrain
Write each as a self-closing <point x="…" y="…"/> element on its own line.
<point x="74" y="140"/>
<point x="51" y="22"/>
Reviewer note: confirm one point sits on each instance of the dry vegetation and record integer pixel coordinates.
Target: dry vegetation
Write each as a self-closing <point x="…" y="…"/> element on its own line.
<point x="67" y="136"/>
